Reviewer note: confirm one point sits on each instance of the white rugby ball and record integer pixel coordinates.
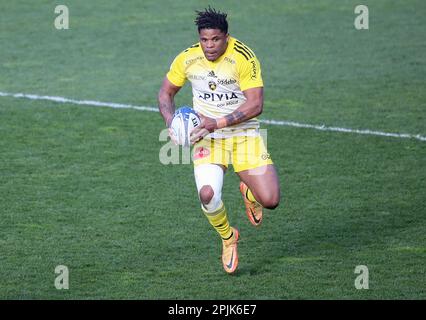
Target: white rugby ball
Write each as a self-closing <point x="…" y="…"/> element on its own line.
<point x="184" y="121"/>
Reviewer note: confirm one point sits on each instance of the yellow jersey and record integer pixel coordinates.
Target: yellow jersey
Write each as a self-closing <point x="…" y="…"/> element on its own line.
<point x="217" y="86"/>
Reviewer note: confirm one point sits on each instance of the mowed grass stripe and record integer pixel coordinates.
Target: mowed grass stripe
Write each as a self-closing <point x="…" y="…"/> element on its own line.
<point x="84" y="187"/>
<point x="270" y="122"/>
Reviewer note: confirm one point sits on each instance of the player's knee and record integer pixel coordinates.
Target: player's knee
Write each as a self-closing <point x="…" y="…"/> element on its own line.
<point x="271" y="201"/>
<point x="206" y="194"/>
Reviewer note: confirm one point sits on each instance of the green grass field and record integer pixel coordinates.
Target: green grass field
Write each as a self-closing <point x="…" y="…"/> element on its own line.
<point x="83" y="186"/>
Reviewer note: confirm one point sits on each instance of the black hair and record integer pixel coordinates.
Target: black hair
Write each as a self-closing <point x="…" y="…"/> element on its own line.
<point x="211" y="19"/>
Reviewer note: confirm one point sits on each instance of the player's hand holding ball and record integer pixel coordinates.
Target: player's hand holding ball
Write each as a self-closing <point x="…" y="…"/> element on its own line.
<point x="207" y="125"/>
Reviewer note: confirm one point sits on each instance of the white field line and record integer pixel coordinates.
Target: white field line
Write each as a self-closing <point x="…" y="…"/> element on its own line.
<point x="337" y="129"/>
<point x="270" y="122"/>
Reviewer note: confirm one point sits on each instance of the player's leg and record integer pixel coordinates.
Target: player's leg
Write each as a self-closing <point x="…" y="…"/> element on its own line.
<point x="211" y="158"/>
<point x="259" y="179"/>
<point x="209" y="180"/>
<point x="209" y="173"/>
<point x="263" y="185"/>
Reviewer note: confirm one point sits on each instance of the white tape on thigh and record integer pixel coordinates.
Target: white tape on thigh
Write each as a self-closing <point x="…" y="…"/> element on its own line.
<point x="210" y="175"/>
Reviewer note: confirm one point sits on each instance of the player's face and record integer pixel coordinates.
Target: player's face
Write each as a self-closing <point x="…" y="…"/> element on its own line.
<point x="213" y="42"/>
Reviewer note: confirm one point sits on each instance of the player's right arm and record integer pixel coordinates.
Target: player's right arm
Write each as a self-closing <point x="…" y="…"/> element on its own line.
<point x="166" y="103"/>
<point x="173" y="81"/>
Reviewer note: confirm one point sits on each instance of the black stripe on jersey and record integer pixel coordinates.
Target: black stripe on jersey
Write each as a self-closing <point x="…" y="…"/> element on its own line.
<point x="236" y="49"/>
<point x="242" y="44"/>
<point x="194" y="46"/>
<point x="245" y="50"/>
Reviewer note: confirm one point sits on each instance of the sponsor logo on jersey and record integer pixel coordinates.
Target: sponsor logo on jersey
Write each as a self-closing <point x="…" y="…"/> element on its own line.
<point x="195" y="77"/>
<point x="191" y="61"/>
<point x="211" y="74"/>
<point x="266" y="156"/>
<point x="218" y="96"/>
<point x="229" y="60"/>
<point x="226" y="81"/>
<point x="253" y="70"/>
<point x="201" y="152"/>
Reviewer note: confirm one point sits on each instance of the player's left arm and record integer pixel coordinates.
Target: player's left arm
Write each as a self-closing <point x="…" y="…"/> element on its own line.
<point x="249" y="109"/>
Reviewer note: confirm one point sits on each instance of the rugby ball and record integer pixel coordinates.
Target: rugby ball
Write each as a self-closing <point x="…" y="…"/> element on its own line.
<point x="185" y="119"/>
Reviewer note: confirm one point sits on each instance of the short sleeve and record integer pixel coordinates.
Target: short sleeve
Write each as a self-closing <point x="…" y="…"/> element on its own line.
<point x="176" y="74"/>
<point x="250" y="74"/>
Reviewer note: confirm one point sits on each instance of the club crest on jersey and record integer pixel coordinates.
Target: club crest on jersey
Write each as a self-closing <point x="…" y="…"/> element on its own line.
<point x="218" y="96"/>
<point x="212" y="85"/>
